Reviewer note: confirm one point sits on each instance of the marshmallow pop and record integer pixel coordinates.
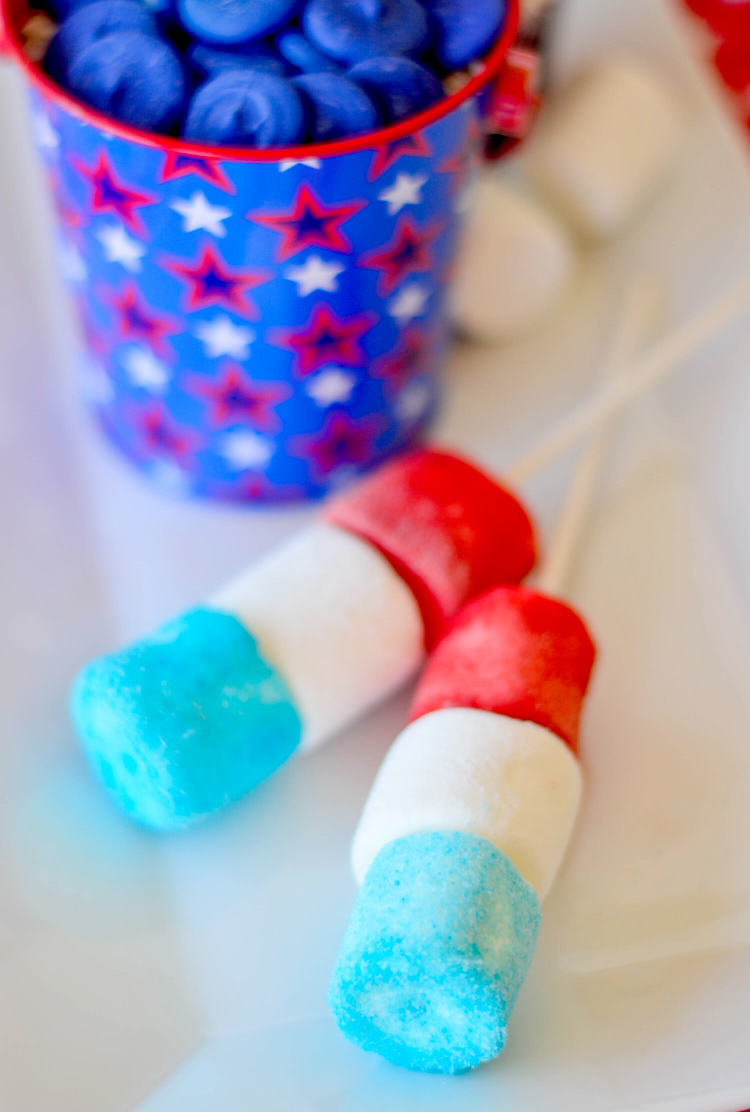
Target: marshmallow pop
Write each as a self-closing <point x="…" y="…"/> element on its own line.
<point x="461" y="837"/>
<point x="191" y="718"/>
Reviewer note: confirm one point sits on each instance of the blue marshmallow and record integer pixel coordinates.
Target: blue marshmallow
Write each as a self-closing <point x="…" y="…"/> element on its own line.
<point x="352" y="30"/>
<point x="300" y="53"/>
<point x="186" y="721"/>
<point x="246" y="108"/>
<point x="465" y="31"/>
<point x="133" y="77"/>
<point x="234" y="21"/>
<point x="437" y="947"/>
<point x="399" y="86"/>
<point x="90" y="23"/>
<point x="336" y="106"/>
<point x="209" y="61"/>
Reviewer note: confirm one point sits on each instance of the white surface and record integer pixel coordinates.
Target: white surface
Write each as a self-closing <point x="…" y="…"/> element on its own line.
<point x="334" y="618"/>
<point x="515" y="261"/>
<point x="189" y="975"/>
<point x="604" y="145"/>
<point x="514" y="783"/>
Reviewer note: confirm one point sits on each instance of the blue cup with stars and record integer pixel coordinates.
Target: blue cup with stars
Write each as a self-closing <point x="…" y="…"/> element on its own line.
<point x="260" y="325"/>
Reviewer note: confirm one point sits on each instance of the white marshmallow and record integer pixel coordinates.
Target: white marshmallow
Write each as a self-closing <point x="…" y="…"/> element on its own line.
<point x="514" y="783"/>
<point x="514" y="263"/>
<point x="605" y="144"/>
<point x="331" y="614"/>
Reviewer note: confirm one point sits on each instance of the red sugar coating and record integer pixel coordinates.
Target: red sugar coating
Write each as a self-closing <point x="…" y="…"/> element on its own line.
<point x="514" y="652"/>
<point x="449" y="530"/>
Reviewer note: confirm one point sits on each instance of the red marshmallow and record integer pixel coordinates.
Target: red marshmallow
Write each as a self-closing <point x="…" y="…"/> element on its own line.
<point x="449" y="530"/>
<point x="514" y="652"/>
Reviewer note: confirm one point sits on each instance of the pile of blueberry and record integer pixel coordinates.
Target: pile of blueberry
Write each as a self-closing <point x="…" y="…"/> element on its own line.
<point x="265" y="73"/>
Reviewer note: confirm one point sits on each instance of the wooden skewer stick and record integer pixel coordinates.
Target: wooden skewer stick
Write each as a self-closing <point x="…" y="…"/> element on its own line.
<point x="639" y="376"/>
<point x="632" y="327"/>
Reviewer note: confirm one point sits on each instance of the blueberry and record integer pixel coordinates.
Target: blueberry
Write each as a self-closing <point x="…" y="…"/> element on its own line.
<point x="209" y="61"/>
<point x="134" y="77"/>
<point x="246" y="108"/>
<point x="399" y="86"/>
<point x="300" y="52"/>
<point x="89" y="24"/>
<point x="464" y="31"/>
<point x="352" y="30"/>
<point x="336" y="106"/>
<point x="234" y="21"/>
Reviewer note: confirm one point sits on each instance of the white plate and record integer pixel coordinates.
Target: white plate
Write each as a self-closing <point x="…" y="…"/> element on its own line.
<point x="189" y="975"/>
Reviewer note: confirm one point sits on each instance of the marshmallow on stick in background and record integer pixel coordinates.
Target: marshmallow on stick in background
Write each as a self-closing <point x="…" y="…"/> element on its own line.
<point x="471" y="813"/>
<point x="184" y="722"/>
<point x="516" y="259"/>
<point x="603" y="146"/>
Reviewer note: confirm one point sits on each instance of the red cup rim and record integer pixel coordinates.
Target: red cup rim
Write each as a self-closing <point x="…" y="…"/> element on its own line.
<point x="37" y="76"/>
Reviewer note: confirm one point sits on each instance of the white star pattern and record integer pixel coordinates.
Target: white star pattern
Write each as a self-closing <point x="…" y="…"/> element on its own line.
<point x="118" y="247"/>
<point x="145" y="370"/>
<point x="406" y="190"/>
<point x="413" y="402"/>
<point x="199" y="214"/>
<point x="220" y="337"/>
<point x="288" y="163"/>
<point x="409" y="302"/>
<point x="331" y="385"/>
<point x="315" y="275"/>
<point x="72" y="263"/>
<point x="46" y="136"/>
<point x="243" y="450"/>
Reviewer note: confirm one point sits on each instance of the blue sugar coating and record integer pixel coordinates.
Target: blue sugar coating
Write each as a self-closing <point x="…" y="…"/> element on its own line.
<point x="90" y="23"/>
<point x="300" y="53"/>
<point x="184" y="722"/>
<point x="246" y="108"/>
<point x="133" y="77"/>
<point x="399" y="86"/>
<point x="352" y="30"/>
<point x="464" y="32"/>
<point x="437" y="947"/>
<point x="234" y="21"/>
<point x="208" y="61"/>
<point x="336" y="106"/>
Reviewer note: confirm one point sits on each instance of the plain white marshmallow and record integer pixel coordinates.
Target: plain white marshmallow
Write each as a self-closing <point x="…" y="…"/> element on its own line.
<point x="514" y="783"/>
<point x="604" y="145"/>
<point x="515" y="261"/>
<point x="334" y="618"/>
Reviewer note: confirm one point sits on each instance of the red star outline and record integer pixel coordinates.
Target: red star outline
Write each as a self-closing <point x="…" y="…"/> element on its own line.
<point x="406" y="360"/>
<point x="158" y="434"/>
<point x="416" y="146"/>
<point x="290" y="224"/>
<point x="235" y="398"/>
<point x="92" y="334"/>
<point x="408" y="252"/>
<point x="254" y="486"/>
<point x="209" y="169"/>
<point x="211" y="282"/>
<point x="136" y="323"/>
<point x="69" y="216"/>
<point x="326" y="339"/>
<point x="342" y="440"/>
<point x="463" y="160"/>
<point x="110" y="195"/>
